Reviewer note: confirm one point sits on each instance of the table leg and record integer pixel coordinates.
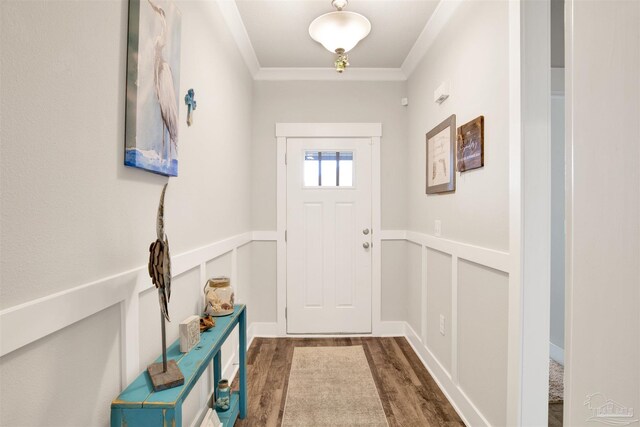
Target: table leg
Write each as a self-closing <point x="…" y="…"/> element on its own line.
<point x="217" y="373"/>
<point x="243" y="364"/>
<point x="173" y="417"/>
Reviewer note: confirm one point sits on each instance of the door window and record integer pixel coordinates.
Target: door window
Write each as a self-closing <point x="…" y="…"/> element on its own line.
<point x="328" y="169"/>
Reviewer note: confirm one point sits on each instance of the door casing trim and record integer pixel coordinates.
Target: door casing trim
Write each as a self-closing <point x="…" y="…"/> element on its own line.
<point x="328" y="130"/>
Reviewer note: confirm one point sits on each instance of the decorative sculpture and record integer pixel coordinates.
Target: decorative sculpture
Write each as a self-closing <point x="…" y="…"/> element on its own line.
<point x="165" y="374"/>
<point x="160" y="261"/>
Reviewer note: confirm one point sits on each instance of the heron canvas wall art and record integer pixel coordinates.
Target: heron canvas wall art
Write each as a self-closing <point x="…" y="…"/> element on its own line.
<point x="153" y="80"/>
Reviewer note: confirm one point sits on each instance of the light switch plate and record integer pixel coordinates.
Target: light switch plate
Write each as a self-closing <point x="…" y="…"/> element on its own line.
<point x="437" y="227"/>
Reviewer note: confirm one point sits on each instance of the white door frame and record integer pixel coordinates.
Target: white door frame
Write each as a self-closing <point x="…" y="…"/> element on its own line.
<point x="529" y="212"/>
<point x="327" y="130"/>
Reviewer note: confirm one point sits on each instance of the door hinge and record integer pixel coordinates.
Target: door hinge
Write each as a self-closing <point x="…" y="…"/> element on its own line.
<point x="285" y="235"/>
<point x="285" y="158"/>
<point x="285" y="313"/>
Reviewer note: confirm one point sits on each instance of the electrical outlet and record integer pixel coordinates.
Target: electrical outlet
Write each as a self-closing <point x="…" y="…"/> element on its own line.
<point x="437" y="228"/>
<point x="441" y="325"/>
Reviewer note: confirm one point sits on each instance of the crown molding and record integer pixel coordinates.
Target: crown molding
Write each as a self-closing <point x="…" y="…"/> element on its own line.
<point x="232" y="17"/>
<point x="441" y="15"/>
<point x="444" y="10"/>
<point x="330" y="74"/>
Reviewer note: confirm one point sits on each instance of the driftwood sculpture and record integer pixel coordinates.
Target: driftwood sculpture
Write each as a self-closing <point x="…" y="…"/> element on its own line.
<point x="165" y="374"/>
<point x="160" y="261"/>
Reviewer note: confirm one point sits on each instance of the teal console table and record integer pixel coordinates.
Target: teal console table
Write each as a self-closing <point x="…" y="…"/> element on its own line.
<point x="139" y="405"/>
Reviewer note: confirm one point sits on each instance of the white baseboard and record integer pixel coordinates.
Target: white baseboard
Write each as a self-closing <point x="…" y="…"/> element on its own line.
<point x="470" y="415"/>
<point x="270" y="330"/>
<point x="262" y="330"/>
<point x="556" y="353"/>
<point x="390" y="329"/>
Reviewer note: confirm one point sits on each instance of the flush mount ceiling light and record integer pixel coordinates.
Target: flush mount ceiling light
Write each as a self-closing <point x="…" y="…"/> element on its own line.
<point x="339" y="32"/>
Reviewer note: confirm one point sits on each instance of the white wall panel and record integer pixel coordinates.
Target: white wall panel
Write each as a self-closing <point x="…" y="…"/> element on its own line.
<point x="263" y="282"/>
<point x="394" y="281"/>
<point x="186" y="300"/>
<point x="482" y="338"/>
<point x="439" y="287"/>
<point x="414" y="288"/>
<point x="65" y="379"/>
<point x="220" y="266"/>
<point x="243" y="279"/>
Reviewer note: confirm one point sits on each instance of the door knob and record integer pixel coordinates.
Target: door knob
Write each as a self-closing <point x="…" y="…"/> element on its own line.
<point x="365" y="231"/>
<point x="365" y="245"/>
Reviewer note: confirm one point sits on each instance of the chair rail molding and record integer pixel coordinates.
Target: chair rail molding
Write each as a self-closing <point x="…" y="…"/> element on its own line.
<point x="72" y="305"/>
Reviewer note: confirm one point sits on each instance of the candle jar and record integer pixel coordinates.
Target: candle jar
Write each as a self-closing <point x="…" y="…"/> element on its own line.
<point x="219" y="296"/>
<point x="223" y="396"/>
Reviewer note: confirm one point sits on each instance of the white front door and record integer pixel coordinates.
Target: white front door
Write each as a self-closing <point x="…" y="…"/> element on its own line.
<point x="329" y="235"/>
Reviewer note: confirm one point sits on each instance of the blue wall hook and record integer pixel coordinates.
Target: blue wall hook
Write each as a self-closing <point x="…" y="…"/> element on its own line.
<point x="189" y="100"/>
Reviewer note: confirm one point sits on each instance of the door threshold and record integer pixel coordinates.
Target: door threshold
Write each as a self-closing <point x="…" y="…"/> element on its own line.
<point x="329" y="335"/>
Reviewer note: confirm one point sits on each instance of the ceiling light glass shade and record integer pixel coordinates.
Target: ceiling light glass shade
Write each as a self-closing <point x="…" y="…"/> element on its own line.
<point x="339" y="30"/>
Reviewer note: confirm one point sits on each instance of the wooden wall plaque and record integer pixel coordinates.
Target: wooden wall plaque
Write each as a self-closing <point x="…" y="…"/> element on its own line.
<point x="470" y="145"/>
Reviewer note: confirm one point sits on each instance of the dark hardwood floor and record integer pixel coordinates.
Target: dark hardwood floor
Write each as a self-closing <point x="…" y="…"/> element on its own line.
<point x="409" y="395"/>
<point x="555" y="414"/>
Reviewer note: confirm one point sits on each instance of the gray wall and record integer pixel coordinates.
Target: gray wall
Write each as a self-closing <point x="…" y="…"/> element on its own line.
<point x="72" y="213"/>
<point x="471" y="52"/>
<point x="472" y="55"/>
<point x="603" y="207"/>
<point x="322" y="101"/>
<point x="328" y="102"/>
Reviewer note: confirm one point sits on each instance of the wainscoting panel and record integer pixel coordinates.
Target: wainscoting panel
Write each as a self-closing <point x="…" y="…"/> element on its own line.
<point x="220" y="266"/>
<point x="185" y="302"/>
<point x="394" y="282"/>
<point x="132" y="299"/>
<point x="415" y="292"/>
<point x="263" y="285"/>
<point x="482" y="338"/>
<point x="477" y="308"/>
<point x="59" y="396"/>
<point x="439" y="290"/>
<point x="468" y="285"/>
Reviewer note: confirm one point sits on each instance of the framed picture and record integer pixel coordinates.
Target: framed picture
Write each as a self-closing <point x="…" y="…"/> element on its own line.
<point x="441" y="141"/>
<point x="471" y="145"/>
<point x="153" y="84"/>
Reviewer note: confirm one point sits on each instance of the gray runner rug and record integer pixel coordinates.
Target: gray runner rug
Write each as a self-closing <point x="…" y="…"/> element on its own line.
<point x="556" y="386"/>
<point x="332" y="386"/>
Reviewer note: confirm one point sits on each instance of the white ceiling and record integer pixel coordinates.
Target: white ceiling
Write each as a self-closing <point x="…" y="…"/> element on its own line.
<point x="278" y="31"/>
